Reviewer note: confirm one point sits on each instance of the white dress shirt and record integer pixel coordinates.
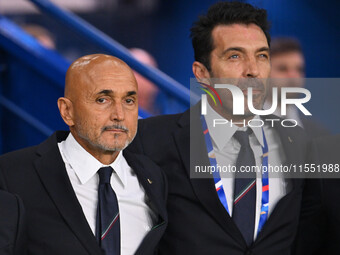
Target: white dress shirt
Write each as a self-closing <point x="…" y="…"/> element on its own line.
<point x="136" y="218"/>
<point x="227" y="148"/>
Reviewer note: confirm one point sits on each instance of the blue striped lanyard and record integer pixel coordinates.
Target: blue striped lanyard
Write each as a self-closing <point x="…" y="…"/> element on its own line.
<point x="218" y="182"/>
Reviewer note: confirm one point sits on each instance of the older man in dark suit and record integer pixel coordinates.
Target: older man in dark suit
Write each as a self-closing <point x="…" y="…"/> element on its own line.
<point x="85" y="194"/>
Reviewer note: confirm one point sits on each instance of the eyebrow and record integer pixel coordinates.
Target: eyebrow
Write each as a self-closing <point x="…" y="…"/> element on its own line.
<point x="233" y="49"/>
<point x="105" y="92"/>
<point x="109" y="91"/>
<point x="131" y="93"/>
<point x="240" y="49"/>
<point x="263" y="49"/>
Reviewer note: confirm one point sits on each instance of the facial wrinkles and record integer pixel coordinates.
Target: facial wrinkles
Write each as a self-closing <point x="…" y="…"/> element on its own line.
<point x="121" y="74"/>
<point x="242" y="37"/>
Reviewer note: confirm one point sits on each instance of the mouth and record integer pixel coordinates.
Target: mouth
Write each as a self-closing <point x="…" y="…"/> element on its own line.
<point x="255" y="91"/>
<point x="115" y="129"/>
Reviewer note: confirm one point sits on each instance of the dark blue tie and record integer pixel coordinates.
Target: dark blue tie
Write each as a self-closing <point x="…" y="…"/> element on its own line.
<point x="245" y="189"/>
<point x="107" y="225"/>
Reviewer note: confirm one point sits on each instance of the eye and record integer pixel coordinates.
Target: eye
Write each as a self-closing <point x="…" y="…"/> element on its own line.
<point x="101" y="100"/>
<point x="234" y="56"/>
<point x="263" y="55"/>
<point x="129" y="101"/>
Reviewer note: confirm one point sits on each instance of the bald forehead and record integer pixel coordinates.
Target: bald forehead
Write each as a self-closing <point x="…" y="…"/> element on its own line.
<point x="89" y="62"/>
<point x="95" y="67"/>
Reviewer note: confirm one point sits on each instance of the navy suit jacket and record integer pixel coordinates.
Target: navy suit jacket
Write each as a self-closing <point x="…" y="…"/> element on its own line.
<point x="313" y="128"/>
<point x="56" y="222"/>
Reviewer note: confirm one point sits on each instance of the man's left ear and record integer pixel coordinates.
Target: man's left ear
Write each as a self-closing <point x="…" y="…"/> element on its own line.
<point x="200" y="71"/>
<point x="66" y="110"/>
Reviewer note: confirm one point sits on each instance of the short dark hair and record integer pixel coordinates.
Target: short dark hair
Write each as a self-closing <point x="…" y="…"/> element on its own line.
<point x="281" y="45"/>
<point x="224" y="13"/>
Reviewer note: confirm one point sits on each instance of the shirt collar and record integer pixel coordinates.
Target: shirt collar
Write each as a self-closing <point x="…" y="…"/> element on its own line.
<point x="222" y="133"/>
<point x="85" y="165"/>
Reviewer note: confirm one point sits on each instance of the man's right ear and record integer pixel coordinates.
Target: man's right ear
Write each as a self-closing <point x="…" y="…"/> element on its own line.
<point x="66" y="110"/>
<point x="200" y="71"/>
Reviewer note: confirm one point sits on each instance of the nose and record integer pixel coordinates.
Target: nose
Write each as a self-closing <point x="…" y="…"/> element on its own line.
<point x="117" y="112"/>
<point x="251" y="69"/>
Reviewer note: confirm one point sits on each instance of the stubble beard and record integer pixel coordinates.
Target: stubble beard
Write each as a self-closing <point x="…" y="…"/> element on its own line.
<point x="101" y="145"/>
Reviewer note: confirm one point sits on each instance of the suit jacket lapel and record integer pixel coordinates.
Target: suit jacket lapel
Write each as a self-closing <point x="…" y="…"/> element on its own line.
<point x="204" y="188"/>
<point x="288" y="144"/>
<point x="294" y="156"/>
<point x="51" y="169"/>
<point x="152" y="189"/>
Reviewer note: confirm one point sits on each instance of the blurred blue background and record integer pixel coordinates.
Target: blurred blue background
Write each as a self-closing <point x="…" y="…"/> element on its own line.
<point x="161" y="27"/>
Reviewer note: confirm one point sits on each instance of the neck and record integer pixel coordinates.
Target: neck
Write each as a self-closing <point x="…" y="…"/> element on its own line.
<point x="106" y="158"/>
